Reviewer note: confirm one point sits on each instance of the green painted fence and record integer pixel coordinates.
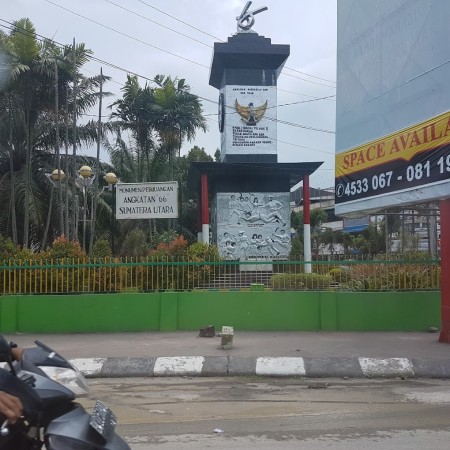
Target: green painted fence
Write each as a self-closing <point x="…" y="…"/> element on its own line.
<point x="246" y="311"/>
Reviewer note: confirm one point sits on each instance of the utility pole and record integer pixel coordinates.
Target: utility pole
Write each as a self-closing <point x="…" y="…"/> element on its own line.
<point x="74" y="141"/>
<point x="97" y="166"/>
<point x="57" y="151"/>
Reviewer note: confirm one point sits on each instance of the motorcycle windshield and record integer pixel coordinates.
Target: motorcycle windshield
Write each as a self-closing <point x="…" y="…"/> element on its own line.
<point x="59" y="442"/>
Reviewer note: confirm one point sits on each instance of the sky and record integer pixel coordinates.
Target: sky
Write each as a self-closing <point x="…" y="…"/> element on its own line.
<point x="176" y="38"/>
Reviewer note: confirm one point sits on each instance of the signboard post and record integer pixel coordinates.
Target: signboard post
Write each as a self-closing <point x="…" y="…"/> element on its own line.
<point x="445" y="271"/>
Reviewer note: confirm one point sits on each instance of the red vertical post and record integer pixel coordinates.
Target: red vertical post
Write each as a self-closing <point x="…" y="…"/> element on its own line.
<point x="306" y="225"/>
<point x="205" y="210"/>
<point x="199" y="217"/>
<point x="445" y="271"/>
<point x="306" y="201"/>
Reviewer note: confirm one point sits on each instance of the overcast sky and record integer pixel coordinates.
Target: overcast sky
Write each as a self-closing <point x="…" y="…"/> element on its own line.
<point x="175" y="37"/>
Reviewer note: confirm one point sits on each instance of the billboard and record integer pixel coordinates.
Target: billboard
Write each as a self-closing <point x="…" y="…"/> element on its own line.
<point x="249" y="117"/>
<point x="392" y="104"/>
<point x="252" y="226"/>
<point x="147" y="200"/>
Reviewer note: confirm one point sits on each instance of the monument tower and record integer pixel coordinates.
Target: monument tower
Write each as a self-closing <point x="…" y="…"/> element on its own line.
<point x="248" y="191"/>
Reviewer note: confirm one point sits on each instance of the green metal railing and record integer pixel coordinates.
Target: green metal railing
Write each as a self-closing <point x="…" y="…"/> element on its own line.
<point x="142" y="275"/>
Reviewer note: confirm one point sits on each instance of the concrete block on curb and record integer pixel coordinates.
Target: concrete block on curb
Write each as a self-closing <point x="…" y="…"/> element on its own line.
<point x="333" y="367"/>
<point x="215" y="366"/>
<point x="128" y="367"/>
<point x="245" y="365"/>
<point x="431" y="368"/>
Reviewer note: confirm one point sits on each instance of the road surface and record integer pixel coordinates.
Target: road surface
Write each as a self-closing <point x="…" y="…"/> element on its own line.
<point x="282" y="413"/>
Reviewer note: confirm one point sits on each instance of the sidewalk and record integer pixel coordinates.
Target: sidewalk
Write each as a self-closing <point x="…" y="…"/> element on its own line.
<point x="310" y="354"/>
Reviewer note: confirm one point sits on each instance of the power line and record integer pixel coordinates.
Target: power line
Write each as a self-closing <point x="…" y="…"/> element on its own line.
<point x="126" y="35"/>
<point x="290" y="143"/>
<point x="304" y="101"/>
<point x="305" y="127"/>
<point x="218" y="39"/>
<point x="154" y="46"/>
<point x="157" y="23"/>
<point x="303" y="95"/>
<point x="43" y="38"/>
<point x="284" y="104"/>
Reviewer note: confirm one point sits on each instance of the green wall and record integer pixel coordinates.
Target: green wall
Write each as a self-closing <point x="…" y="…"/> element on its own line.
<point x="258" y="310"/>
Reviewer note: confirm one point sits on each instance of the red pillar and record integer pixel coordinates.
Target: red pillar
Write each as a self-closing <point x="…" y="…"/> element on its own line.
<point x="445" y="271"/>
<point x="199" y="217"/>
<point x="205" y="210"/>
<point x="306" y="201"/>
<point x="307" y="254"/>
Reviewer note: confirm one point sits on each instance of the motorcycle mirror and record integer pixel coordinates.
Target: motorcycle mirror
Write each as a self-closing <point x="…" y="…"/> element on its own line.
<point x="5" y="350"/>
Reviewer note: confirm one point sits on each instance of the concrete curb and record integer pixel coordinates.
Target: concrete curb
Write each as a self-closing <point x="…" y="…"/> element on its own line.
<point x="264" y="366"/>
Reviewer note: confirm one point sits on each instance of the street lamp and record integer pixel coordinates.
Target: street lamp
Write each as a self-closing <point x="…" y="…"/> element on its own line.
<point x="111" y="179"/>
<point x="84" y="181"/>
<point x="57" y="176"/>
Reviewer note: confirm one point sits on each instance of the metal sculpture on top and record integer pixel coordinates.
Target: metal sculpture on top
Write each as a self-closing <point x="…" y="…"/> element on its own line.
<point x="246" y="20"/>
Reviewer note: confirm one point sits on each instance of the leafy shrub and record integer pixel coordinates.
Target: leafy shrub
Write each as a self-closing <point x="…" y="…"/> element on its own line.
<point x="134" y="244"/>
<point x="62" y="248"/>
<point x="173" y="268"/>
<point x="101" y="249"/>
<point x="203" y="252"/>
<point x="296" y="253"/>
<point x="391" y="277"/>
<point x="300" y="281"/>
<point x="10" y="251"/>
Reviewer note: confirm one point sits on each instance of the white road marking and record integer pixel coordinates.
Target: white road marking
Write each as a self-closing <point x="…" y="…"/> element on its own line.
<point x="386" y="367"/>
<point x="280" y="366"/>
<point x="179" y="365"/>
<point x="88" y="366"/>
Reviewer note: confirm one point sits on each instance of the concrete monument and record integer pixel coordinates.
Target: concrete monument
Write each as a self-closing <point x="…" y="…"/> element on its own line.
<point x="249" y="191"/>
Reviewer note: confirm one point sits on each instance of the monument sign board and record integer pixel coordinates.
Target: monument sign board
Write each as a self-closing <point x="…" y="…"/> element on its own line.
<point x="147" y="200"/>
<point x="250" y="120"/>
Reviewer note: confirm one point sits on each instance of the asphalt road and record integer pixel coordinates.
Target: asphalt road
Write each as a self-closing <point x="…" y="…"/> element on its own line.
<point x="283" y="413"/>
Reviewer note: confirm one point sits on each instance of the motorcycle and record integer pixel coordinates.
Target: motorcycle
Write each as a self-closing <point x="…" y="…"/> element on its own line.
<point x="47" y="385"/>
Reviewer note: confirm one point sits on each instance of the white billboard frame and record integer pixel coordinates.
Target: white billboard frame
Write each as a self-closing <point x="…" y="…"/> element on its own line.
<point x="392" y="79"/>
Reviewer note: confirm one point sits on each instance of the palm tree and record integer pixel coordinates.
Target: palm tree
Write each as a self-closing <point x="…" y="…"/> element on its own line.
<point x="27" y="103"/>
<point x="178" y="115"/>
<point x="135" y="113"/>
<point x="127" y="160"/>
<point x="159" y="119"/>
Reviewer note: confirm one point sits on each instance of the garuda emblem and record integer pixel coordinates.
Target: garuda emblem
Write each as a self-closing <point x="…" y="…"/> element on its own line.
<point x="250" y="114"/>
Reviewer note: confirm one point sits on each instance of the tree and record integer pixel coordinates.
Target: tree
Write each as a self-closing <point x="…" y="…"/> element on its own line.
<point x="159" y="120"/>
<point x="135" y="112"/>
<point x="36" y="72"/>
<point x="317" y="216"/>
<point x="329" y="238"/>
<point x="178" y="114"/>
<point x="371" y="240"/>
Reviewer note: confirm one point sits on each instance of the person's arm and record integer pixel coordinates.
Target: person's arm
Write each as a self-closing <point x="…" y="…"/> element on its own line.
<point x="10" y="406"/>
<point x="17" y="353"/>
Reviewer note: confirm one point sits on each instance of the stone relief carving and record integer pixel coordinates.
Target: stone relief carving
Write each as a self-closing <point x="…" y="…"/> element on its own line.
<point x="252" y="226"/>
